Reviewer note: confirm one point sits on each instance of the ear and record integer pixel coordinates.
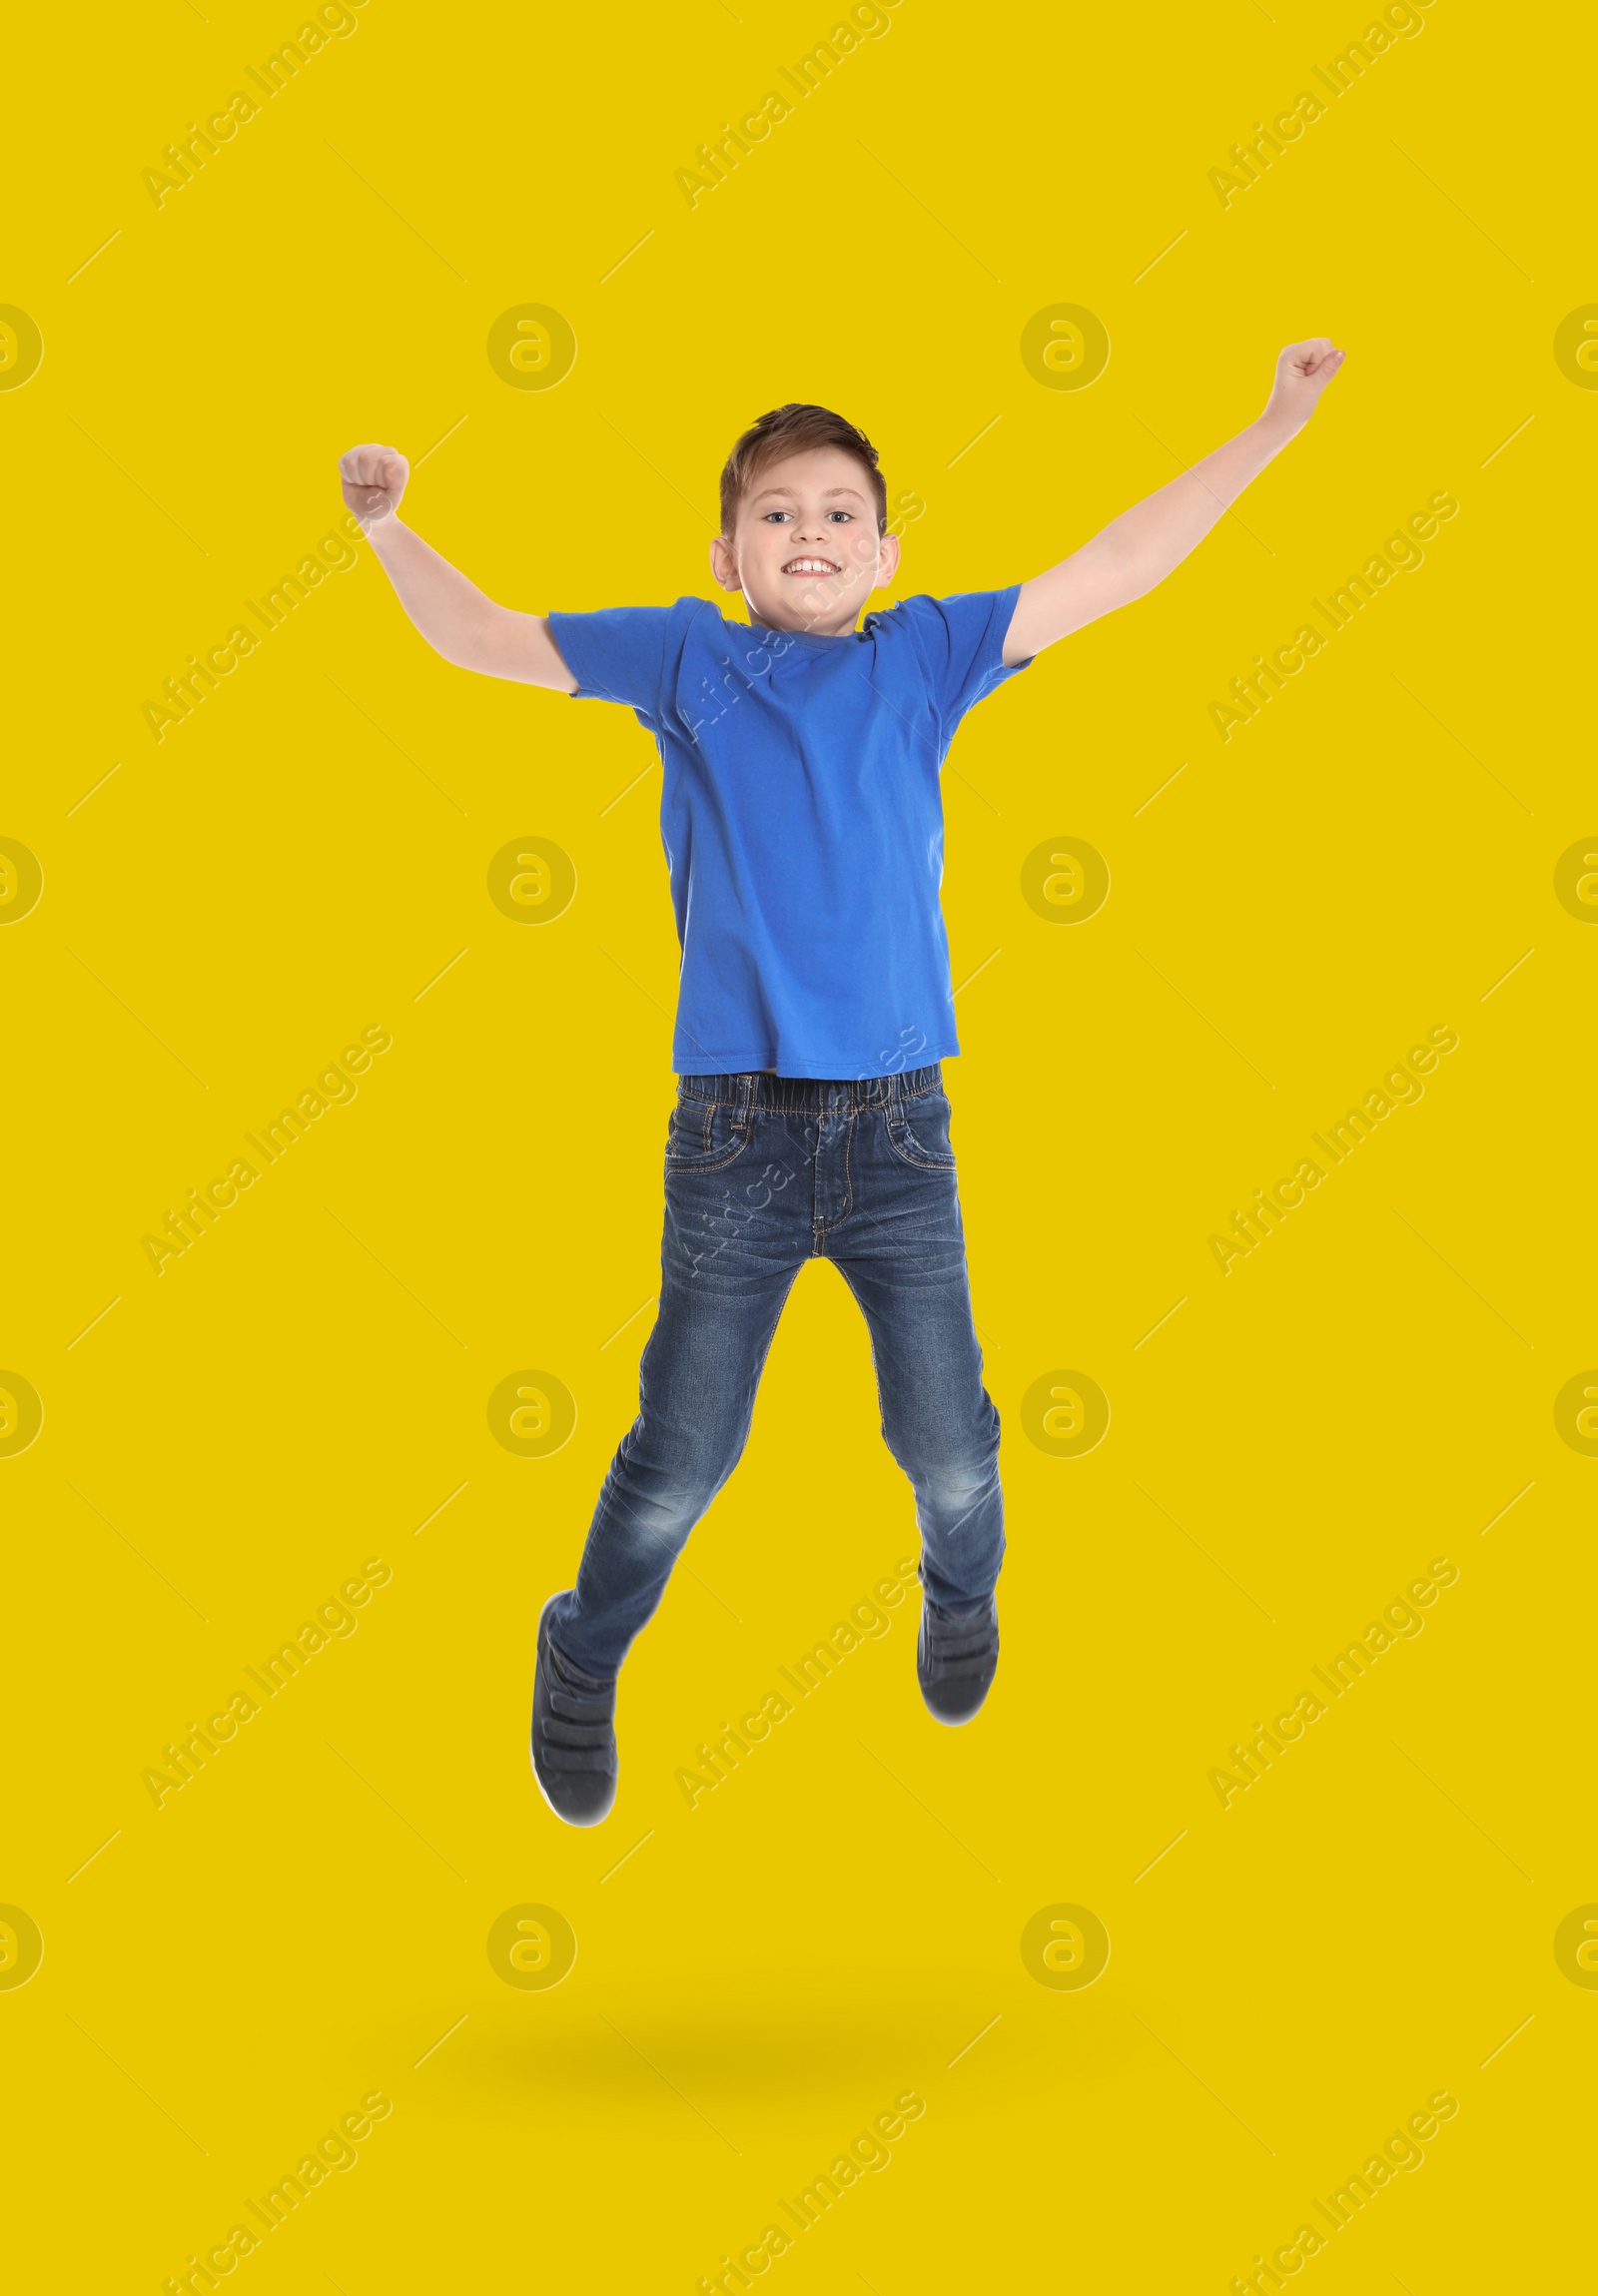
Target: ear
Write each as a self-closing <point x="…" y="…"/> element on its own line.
<point x="723" y="565"/>
<point x="887" y="561"/>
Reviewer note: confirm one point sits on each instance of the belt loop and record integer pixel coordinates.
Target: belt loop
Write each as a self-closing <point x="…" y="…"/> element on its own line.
<point x="741" y="1121"/>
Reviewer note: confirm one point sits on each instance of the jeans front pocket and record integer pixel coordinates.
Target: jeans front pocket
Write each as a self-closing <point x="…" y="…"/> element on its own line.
<point x="918" y="1133"/>
<point x="705" y="1135"/>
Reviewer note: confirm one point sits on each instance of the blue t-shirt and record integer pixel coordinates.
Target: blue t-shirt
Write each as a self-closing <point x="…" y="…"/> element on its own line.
<point x="802" y="819"/>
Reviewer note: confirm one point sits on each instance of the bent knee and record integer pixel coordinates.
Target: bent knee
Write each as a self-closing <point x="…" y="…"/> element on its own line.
<point x="953" y="1486"/>
<point x="662" y="1488"/>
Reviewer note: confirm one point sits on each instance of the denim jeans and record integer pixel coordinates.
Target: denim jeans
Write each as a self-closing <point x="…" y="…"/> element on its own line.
<point x="762" y="1174"/>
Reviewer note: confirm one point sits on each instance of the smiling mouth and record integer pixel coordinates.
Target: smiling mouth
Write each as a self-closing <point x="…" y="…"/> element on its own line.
<point x="811" y="566"/>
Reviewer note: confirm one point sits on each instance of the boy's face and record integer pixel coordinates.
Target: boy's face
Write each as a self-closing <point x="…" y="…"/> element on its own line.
<point x="805" y="550"/>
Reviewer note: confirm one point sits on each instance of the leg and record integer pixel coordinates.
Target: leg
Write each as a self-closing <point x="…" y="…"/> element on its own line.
<point x="734" y="1240"/>
<point x="901" y="1249"/>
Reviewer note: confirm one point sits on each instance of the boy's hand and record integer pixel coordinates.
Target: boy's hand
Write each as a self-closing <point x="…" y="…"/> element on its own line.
<point x="374" y="478"/>
<point x="1302" y="374"/>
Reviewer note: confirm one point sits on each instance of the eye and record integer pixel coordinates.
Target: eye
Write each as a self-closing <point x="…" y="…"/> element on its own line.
<point x="772" y="516"/>
<point x="846" y="515"/>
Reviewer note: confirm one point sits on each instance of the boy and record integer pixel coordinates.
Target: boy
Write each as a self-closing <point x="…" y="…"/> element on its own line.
<point x="804" y="834"/>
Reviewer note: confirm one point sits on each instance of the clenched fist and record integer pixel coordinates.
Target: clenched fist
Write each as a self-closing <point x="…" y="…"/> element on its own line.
<point x="374" y="478"/>
<point x="1302" y="374"/>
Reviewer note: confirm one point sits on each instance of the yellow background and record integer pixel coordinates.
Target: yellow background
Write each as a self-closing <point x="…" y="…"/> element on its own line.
<point x="227" y="1976"/>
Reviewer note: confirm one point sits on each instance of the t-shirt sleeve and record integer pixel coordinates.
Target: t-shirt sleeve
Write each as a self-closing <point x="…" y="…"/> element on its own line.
<point x="958" y="643"/>
<point x="617" y="655"/>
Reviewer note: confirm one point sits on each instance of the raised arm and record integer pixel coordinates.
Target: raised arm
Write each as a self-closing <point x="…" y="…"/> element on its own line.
<point x="1139" y="549"/>
<point x="453" y="614"/>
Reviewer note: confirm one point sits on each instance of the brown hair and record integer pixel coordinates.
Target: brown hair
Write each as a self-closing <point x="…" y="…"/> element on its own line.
<point x="792" y="429"/>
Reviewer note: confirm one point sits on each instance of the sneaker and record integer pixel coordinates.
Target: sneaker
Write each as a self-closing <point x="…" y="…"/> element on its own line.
<point x="574" y="1736"/>
<point x="956" y="1660"/>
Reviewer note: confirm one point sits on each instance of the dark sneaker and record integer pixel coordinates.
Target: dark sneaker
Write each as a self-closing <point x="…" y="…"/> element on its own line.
<point x="574" y="1736"/>
<point x="956" y="1660"/>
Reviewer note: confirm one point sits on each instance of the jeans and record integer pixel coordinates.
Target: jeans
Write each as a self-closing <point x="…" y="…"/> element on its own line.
<point x="762" y="1174"/>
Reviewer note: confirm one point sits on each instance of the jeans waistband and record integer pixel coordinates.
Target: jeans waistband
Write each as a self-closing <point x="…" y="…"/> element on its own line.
<point x="801" y="1096"/>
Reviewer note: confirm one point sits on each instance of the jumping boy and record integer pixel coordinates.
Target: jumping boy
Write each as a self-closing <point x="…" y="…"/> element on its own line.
<point x="803" y="829"/>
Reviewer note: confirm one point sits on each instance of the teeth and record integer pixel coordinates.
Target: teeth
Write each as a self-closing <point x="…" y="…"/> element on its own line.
<point x="810" y="566"/>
